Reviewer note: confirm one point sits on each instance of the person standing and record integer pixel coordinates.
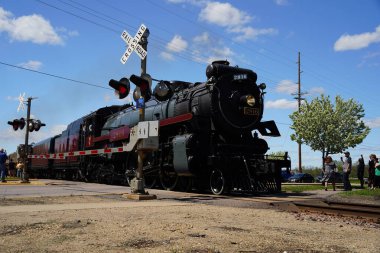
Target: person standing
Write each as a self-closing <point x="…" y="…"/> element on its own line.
<point x="19" y="167"/>
<point x="377" y="175"/>
<point x="3" y="169"/>
<point x="371" y="171"/>
<point x="12" y="168"/>
<point x="329" y="172"/>
<point x="360" y="171"/>
<point x="347" y="165"/>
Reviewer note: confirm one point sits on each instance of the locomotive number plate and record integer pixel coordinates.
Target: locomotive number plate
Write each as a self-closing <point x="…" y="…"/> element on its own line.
<point x="251" y="111"/>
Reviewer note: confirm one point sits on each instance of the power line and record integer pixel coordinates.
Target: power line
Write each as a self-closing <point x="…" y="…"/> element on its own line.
<point x="186" y="55"/>
<point x="315" y="74"/>
<point x="80" y="17"/>
<point x="56" y="76"/>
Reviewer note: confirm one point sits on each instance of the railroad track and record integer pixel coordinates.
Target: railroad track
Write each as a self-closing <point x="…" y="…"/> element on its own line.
<point x="355" y="210"/>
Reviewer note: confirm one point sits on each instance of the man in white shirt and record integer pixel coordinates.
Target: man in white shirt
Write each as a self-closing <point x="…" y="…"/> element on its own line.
<point x="347" y="165"/>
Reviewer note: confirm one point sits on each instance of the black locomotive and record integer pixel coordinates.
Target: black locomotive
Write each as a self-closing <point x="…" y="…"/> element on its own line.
<point x="207" y="138"/>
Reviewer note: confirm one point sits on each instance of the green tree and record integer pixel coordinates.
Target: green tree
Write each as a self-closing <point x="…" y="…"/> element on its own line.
<point x="278" y="155"/>
<point x="329" y="128"/>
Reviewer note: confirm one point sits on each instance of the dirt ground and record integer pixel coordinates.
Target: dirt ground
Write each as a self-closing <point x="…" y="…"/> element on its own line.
<point x="114" y="224"/>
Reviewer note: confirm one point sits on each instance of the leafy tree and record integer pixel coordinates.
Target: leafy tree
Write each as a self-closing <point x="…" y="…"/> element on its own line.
<point x="329" y="128"/>
<point x="278" y="155"/>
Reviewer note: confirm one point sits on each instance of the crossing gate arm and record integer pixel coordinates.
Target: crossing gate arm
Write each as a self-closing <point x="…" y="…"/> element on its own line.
<point x="146" y="130"/>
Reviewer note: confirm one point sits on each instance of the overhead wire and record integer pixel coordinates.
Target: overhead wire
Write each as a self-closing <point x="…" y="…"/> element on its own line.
<point x="185" y="54"/>
<point x="107" y="19"/>
<point x="315" y="74"/>
<point x="53" y="75"/>
<point x="160" y="42"/>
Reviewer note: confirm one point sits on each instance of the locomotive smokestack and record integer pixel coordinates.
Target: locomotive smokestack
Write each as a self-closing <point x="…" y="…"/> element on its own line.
<point x="212" y="69"/>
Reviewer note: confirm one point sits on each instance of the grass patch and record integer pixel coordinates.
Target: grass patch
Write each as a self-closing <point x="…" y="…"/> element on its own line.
<point x="302" y="188"/>
<point x="356" y="192"/>
<point x="12" y="178"/>
<point x="362" y="192"/>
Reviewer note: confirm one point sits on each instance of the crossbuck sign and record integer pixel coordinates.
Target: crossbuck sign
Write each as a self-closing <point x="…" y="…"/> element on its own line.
<point x="133" y="44"/>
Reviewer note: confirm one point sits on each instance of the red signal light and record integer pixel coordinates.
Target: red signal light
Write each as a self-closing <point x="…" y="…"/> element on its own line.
<point x="144" y="86"/>
<point x="121" y="87"/>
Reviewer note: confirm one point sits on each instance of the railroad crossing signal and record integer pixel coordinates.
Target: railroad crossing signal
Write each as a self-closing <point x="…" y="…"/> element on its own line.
<point x="121" y="87"/>
<point x="21" y="105"/>
<point x="133" y="44"/>
<point x="35" y="125"/>
<point x="17" y="123"/>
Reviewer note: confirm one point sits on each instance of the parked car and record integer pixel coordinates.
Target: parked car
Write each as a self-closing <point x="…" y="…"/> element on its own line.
<point x="285" y="175"/>
<point x="301" y="178"/>
<point x="338" y="178"/>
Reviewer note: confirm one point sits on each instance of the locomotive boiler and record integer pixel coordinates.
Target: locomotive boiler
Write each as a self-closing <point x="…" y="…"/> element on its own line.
<point x="208" y="137"/>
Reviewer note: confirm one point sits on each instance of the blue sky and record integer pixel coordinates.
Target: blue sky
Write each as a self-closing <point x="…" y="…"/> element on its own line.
<point x="339" y="41"/>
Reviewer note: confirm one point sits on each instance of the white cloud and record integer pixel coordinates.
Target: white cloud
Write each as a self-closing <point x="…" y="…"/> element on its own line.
<point x="11" y="135"/>
<point x="251" y="33"/>
<point x="281" y="2"/>
<point x="370" y="59"/>
<point x="57" y="129"/>
<point x="32" y="28"/>
<point x="107" y="97"/>
<point x="67" y="33"/>
<point x="193" y="2"/>
<point x="177" y="44"/>
<point x="223" y="14"/>
<point x="372" y="123"/>
<point x="208" y="55"/>
<point x="204" y="38"/>
<point x="167" y="56"/>
<point x="33" y="65"/>
<point x="43" y="133"/>
<point x="206" y="49"/>
<point x="357" y="41"/>
<point x="287" y="87"/>
<point x="234" y="20"/>
<point x="12" y="98"/>
<point x="317" y="90"/>
<point x="281" y="104"/>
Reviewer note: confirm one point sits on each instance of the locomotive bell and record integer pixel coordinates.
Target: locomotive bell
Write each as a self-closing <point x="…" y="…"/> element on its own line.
<point x="136" y="94"/>
<point x="262" y="86"/>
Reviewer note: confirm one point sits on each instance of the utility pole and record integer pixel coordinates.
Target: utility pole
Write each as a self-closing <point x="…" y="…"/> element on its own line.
<point x="299" y="98"/>
<point x="25" y="178"/>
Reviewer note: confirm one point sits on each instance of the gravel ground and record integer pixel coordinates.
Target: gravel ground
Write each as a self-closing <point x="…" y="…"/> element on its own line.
<point x="169" y="226"/>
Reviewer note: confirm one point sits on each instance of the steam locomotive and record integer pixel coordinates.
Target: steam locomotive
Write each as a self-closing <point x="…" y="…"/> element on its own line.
<point x="208" y="138"/>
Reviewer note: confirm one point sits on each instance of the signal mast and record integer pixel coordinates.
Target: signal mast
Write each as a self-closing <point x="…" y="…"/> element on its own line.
<point x="32" y="125"/>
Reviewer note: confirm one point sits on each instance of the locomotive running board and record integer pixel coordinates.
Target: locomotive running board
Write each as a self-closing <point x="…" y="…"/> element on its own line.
<point x="268" y="128"/>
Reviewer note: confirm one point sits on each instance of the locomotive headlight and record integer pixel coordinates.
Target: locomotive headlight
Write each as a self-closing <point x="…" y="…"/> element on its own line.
<point x="248" y="100"/>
